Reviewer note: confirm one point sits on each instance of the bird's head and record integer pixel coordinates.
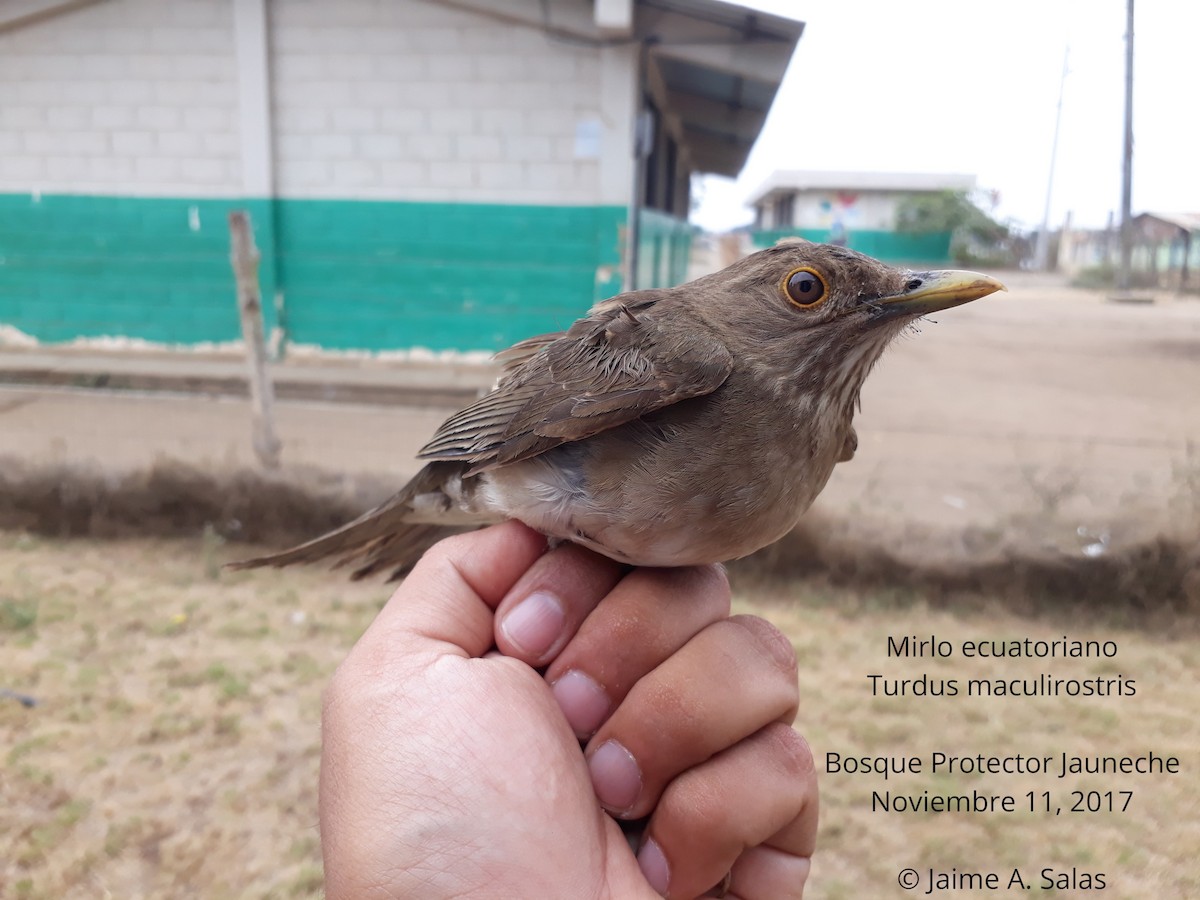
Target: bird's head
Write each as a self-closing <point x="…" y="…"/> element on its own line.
<point x="822" y="315"/>
<point x="799" y="286"/>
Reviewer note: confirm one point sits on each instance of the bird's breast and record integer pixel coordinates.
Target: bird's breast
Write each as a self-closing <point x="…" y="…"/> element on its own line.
<point x="707" y="480"/>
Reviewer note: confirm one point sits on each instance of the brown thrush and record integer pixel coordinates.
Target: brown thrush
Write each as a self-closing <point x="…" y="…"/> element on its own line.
<point x="669" y="427"/>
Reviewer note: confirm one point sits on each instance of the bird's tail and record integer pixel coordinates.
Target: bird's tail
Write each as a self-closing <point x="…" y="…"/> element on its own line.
<point x="381" y="538"/>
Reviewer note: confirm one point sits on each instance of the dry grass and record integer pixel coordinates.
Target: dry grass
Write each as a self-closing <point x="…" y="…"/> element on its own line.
<point x="173" y="751"/>
<point x="841" y="637"/>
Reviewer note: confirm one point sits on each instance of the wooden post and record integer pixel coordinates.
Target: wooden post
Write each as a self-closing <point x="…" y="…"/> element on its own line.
<point x="244" y="256"/>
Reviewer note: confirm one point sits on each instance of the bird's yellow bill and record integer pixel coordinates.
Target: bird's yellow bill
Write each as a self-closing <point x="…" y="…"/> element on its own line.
<point x="929" y="292"/>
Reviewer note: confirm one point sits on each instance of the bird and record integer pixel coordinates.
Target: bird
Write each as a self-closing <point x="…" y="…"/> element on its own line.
<point x="667" y="427"/>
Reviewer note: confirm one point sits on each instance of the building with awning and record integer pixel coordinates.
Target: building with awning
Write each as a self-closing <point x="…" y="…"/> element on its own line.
<point x="857" y="209"/>
<point x="447" y="174"/>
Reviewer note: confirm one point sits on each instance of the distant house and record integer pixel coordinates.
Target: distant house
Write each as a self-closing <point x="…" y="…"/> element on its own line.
<point x="857" y="209"/>
<point x="450" y="175"/>
<point x="1166" y="249"/>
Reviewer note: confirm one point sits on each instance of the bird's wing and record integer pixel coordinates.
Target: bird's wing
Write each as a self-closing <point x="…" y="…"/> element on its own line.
<point x="616" y="365"/>
<point x="519" y="353"/>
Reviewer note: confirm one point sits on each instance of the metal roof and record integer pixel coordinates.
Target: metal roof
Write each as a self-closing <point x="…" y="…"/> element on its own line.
<point x="717" y="66"/>
<point x="790" y="180"/>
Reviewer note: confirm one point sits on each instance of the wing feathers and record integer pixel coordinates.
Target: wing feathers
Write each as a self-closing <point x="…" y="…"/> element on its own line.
<point x="607" y="369"/>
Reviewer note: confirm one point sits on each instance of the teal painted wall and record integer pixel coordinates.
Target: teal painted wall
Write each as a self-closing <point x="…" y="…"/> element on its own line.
<point x="930" y="249"/>
<point x="664" y="246"/>
<point x="463" y="276"/>
<point x="354" y="274"/>
<point x="90" y="266"/>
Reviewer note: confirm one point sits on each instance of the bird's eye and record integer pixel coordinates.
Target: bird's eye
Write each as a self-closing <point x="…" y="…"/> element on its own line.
<point x="804" y="287"/>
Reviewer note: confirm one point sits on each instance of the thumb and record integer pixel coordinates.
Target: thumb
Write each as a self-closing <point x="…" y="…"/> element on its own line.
<point x="447" y="602"/>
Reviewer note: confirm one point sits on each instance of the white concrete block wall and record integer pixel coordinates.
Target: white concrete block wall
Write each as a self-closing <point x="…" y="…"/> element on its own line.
<point x="410" y="99"/>
<point x="375" y="99"/>
<point x="130" y="97"/>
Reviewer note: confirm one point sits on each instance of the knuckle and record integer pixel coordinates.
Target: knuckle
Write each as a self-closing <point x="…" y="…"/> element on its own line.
<point x="434" y="561"/>
<point x="692" y="800"/>
<point x="440" y="569"/>
<point x="790" y="750"/>
<point x="709" y="584"/>
<point x="774" y="643"/>
<point x="449" y="549"/>
<point x="716" y="581"/>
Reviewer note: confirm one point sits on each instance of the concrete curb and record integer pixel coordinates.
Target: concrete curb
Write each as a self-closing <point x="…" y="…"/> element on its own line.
<point x="420" y="386"/>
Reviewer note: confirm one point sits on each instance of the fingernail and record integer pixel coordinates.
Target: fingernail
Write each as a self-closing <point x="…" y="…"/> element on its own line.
<point x="535" y="623"/>
<point x="654" y="866"/>
<point x="615" y="777"/>
<point x="583" y="702"/>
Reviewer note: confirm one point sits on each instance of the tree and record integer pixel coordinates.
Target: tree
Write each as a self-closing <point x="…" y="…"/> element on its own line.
<point x="977" y="236"/>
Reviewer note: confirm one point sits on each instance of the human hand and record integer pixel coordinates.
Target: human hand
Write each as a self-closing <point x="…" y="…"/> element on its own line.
<point x="453" y="769"/>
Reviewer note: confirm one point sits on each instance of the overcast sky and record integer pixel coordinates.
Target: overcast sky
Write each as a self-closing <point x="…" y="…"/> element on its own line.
<point x="957" y="86"/>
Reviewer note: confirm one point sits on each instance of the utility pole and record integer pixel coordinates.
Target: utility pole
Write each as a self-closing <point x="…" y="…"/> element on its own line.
<point x="1127" y="163"/>
<point x="1042" y="257"/>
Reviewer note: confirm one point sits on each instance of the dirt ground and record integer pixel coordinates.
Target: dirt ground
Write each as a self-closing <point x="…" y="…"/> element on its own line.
<point x="173" y="750"/>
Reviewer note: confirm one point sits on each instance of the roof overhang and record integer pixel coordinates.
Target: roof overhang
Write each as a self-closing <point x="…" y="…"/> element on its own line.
<point x="713" y="67"/>
<point x="714" y="70"/>
<point x="16" y="14"/>
<point x="1188" y="222"/>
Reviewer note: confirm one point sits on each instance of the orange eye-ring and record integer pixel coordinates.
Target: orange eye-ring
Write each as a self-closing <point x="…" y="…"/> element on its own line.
<point x="804" y="287"/>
